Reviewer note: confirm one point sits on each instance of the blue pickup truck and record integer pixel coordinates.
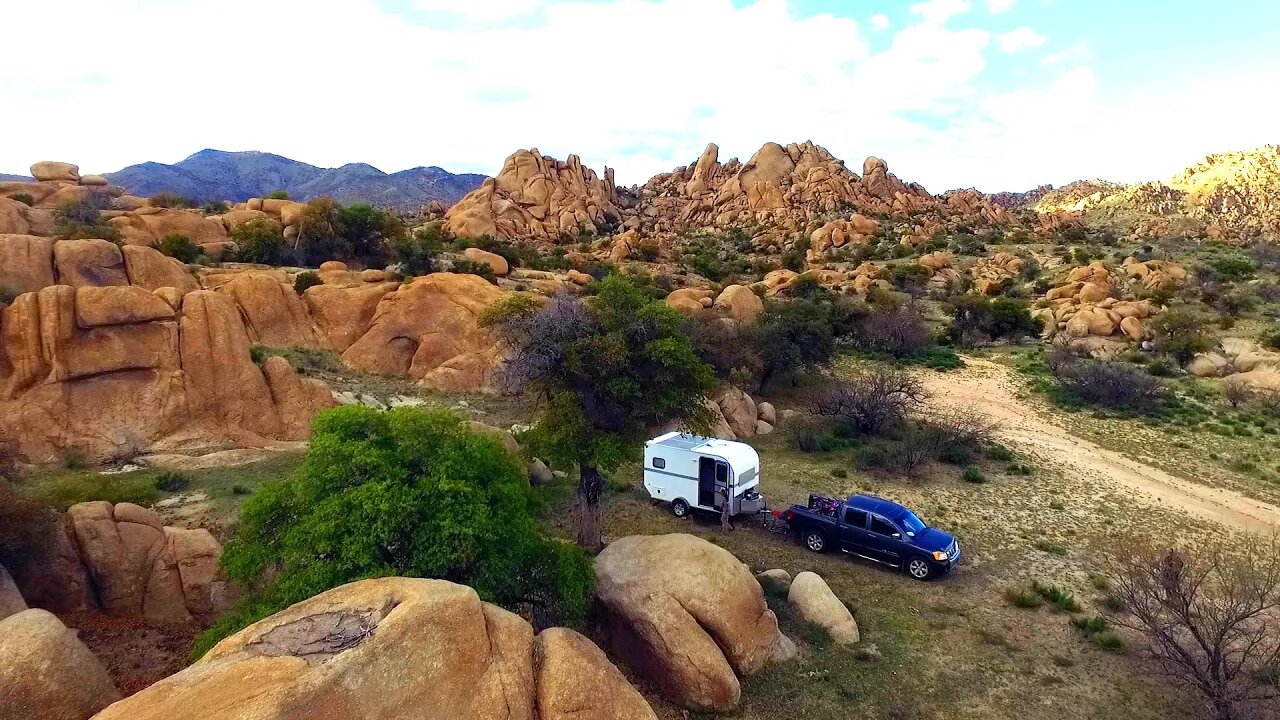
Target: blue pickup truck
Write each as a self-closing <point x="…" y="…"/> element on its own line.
<point x="876" y="529"/>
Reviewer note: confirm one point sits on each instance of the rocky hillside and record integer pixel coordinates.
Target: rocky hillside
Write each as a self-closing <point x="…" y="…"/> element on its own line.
<point x="238" y="176"/>
<point x="1235" y="194"/>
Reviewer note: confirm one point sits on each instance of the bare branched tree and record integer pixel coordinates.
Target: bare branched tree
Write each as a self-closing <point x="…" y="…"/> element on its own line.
<point x="1236" y="391"/>
<point x="1211" y="618"/>
<point x="940" y="432"/>
<point x="872" y="400"/>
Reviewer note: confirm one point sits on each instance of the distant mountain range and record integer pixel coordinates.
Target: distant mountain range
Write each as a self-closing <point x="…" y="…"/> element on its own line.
<point x="238" y="176"/>
<point x="5" y="177"/>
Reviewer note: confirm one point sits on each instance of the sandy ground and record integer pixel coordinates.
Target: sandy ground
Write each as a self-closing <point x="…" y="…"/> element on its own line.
<point x="989" y="388"/>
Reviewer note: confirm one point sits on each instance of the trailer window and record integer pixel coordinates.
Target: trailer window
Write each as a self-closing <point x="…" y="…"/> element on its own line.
<point x="659" y="463"/>
<point x="722" y="473"/>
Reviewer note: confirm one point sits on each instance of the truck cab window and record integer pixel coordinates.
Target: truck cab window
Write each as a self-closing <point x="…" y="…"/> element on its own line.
<point x="881" y="526"/>
<point x="856" y="518"/>
<point x="659" y="463"/>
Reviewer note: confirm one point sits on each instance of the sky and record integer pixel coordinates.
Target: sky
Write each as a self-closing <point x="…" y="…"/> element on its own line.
<point x="993" y="94"/>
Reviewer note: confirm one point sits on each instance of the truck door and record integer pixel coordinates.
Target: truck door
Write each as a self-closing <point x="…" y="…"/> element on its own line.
<point x="707" y="482"/>
<point x="884" y="540"/>
<point x="853" y="530"/>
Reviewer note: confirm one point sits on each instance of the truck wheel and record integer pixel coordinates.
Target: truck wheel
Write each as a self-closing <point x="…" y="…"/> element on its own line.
<point x="679" y="508"/>
<point x="919" y="568"/>
<point x="815" y="541"/>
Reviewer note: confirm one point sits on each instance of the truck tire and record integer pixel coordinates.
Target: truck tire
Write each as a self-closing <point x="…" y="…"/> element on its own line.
<point x="680" y="508"/>
<point x="814" y="540"/>
<point x="918" y="567"/>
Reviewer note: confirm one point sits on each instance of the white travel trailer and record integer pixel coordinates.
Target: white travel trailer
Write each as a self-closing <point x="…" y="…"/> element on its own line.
<point x="690" y="471"/>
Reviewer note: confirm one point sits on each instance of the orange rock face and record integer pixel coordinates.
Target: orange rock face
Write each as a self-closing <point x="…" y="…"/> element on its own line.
<point x="429" y="330"/>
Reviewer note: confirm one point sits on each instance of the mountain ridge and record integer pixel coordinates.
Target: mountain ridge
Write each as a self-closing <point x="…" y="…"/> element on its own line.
<point x="211" y="174"/>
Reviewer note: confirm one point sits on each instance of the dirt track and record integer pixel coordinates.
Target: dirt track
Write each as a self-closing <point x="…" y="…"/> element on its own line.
<point x="989" y="388"/>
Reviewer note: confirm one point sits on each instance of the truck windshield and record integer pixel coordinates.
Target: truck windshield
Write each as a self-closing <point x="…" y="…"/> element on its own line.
<point x="912" y="523"/>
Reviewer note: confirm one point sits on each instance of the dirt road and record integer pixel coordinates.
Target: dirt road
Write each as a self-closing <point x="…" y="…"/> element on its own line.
<point x="989" y="388"/>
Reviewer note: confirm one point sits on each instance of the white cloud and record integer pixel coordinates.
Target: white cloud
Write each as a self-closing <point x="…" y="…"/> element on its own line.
<point x="337" y="81"/>
<point x="995" y="7"/>
<point x="879" y="21"/>
<point x="1024" y="38"/>
<point x="940" y="11"/>
<point x="482" y="10"/>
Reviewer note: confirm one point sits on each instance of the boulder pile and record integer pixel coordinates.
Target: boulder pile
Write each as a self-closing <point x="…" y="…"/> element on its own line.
<point x="27" y="207"/>
<point x="393" y="647"/>
<point x="995" y="274"/>
<point x="1094" y="305"/>
<point x="1241" y="359"/>
<point x="536" y="196"/>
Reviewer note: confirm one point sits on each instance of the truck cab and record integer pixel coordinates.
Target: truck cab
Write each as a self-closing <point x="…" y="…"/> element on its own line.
<point x="876" y="529"/>
<point x="694" y="472"/>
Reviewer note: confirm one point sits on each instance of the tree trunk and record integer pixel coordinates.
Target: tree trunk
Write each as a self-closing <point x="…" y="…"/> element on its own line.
<point x="589" y="485"/>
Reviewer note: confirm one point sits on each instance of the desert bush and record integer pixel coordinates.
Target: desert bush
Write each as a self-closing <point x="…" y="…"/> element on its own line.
<point x="179" y="247"/>
<point x="973" y="475"/>
<point x="24" y="198"/>
<point x="872" y="400"/>
<point x="1182" y="332"/>
<point x="956" y="435"/>
<point x="416" y="254"/>
<point x="1236" y="391"/>
<point x="462" y="265"/>
<point x="910" y="277"/>
<point x="1112" y="385"/>
<point x="731" y="350"/>
<point x="794" y="336"/>
<point x="259" y="241"/>
<point x="82" y="219"/>
<point x="215" y="207"/>
<point x="368" y="231"/>
<point x="1023" y="598"/>
<point x="1208" y="617"/>
<point x="320" y="234"/>
<point x="172" y="200"/>
<point x="1060" y="599"/>
<point x="277" y="195"/>
<point x="420" y="495"/>
<point x="1234" y="267"/>
<point x="795" y="257"/>
<point x="304" y="280"/>
<point x="977" y="319"/>
<point x="900" y="331"/>
<point x="171" y="482"/>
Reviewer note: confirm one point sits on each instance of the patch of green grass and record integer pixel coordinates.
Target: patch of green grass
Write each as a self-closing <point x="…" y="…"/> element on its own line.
<point x="973" y="475"/>
<point x="69" y="488"/>
<point x="1060" y="599"/>
<point x="1050" y="547"/>
<point x="1109" y="641"/>
<point x="999" y="453"/>
<point x="1090" y="625"/>
<point x="171" y="482"/>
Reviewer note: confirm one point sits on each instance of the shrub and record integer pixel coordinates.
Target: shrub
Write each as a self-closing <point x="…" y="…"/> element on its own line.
<point x="171" y="482"/>
<point x="1090" y="625"/>
<point x="900" y="331"/>
<point x="420" y="495"/>
<point x="215" y="207"/>
<point x="974" y="475"/>
<point x="239" y="489"/>
<point x="1113" y="385"/>
<point x="872" y="400"/>
<point x="939" y="358"/>
<point x="1060" y="599"/>
<point x="1181" y="333"/>
<point x="794" y="336"/>
<point x="1023" y="598"/>
<point x="953" y="434"/>
<point x="24" y="198"/>
<point x="304" y="280"/>
<point x="180" y="248"/>
<point x="1236" y="391"/>
<point x="731" y="350"/>
<point x="999" y="453"/>
<point x="1109" y="641"/>
<point x="368" y="231"/>
<point x="277" y="195"/>
<point x="475" y="268"/>
<point x="795" y="258"/>
<point x="416" y="254"/>
<point x="82" y="219"/>
<point x="171" y="200"/>
<point x="1234" y="267"/>
<point x="977" y="319"/>
<point x="259" y="241"/>
<point x="1048" y="546"/>
<point x="320" y="234"/>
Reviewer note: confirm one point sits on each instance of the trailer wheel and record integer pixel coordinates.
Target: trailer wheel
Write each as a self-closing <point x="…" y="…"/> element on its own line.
<point x="679" y="508"/>
<point x="815" y="541"/>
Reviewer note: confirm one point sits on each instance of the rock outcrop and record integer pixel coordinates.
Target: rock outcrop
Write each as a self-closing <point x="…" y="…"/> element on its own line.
<point x="685" y="615"/>
<point x="46" y="672"/>
<point x="1097" y="310"/>
<point x="139" y="567"/>
<point x="539" y="197"/>
<point x="429" y="330"/>
<point x="388" y="648"/>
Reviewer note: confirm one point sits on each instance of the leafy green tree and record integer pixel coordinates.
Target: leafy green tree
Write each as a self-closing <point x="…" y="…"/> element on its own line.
<point x="416" y="254"/>
<point x="1182" y="332"/>
<point x="795" y="335"/>
<point x="320" y="236"/>
<point x="369" y="230"/>
<point x="403" y="492"/>
<point x="608" y="369"/>
<point x="259" y="241"/>
<point x="977" y="318"/>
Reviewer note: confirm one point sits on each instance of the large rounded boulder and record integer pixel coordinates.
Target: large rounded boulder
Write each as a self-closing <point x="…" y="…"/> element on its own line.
<point x="685" y="615"/>
<point x="46" y="672"/>
<point x="390" y="648"/>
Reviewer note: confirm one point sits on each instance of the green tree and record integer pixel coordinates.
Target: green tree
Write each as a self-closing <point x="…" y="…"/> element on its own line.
<point x="369" y="230"/>
<point x="1182" y="332"/>
<point x="179" y="247"/>
<point x="320" y="234"/>
<point x="795" y="335"/>
<point x="416" y="254"/>
<point x="403" y="492"/>
<point x="608" y="368"/>
<point x="259" y="241"/>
